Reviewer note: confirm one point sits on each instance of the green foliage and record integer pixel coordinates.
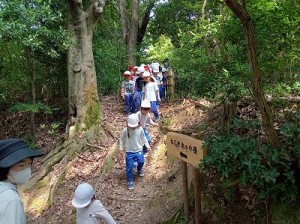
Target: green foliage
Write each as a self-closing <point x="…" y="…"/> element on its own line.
<point x="53" y="128"/>
<point x="109" y="52"/>
<point x="30" y="107"/>
<point x="243" y="160"/>
<point x="291" y="132"/>
<point x="33" y="39"/>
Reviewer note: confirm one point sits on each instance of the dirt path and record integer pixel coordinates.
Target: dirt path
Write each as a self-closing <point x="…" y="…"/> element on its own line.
<point x="156" y="196"/>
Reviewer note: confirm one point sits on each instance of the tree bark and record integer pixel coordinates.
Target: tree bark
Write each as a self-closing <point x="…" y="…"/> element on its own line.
<point x="31" y="67"/>
<point x="144" y="24"/>
<point x="257" y="87"/>
<point x="134" y="25"/>
<point x="132" y="33"/>
<point x="124" y="20"/>
<point x="84" y="103"/>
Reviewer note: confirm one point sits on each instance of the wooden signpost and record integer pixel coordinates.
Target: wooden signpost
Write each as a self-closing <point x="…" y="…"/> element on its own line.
<point x="188" y="150"/>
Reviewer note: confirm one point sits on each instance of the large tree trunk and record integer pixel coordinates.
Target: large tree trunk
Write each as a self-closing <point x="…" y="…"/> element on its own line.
<point x="245" y="18"/>
<point x="132" y="33"/>
<point x="144" y="23"/>
<point x="84" y="104"/>
<point x="134" y="25"/>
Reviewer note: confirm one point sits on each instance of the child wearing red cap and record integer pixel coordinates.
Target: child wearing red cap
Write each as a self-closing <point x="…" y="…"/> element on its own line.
<point x="127" y="92"/>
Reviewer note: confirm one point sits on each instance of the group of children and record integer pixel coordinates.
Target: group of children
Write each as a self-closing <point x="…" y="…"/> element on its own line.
<point x="142" y="89"/>
<point x="135" y="139"/>
<point x="144" y="82"/>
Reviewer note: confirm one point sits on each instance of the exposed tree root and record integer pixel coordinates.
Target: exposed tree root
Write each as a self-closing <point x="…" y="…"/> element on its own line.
<point x="55" y="166"/>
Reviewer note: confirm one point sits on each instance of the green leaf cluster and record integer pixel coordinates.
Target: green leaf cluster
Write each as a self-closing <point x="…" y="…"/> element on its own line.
<point x="244" y="160"/>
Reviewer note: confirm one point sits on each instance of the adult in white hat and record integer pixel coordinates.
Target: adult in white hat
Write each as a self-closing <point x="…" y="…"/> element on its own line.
<point x="132" y="140"/>
<point x="88" y="209"/>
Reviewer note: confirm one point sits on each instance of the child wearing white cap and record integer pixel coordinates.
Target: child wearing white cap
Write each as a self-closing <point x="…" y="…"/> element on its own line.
<point x="145" y="119"/>
<point x="133" y="139"/>
<point x="139" y="84"/>
<point x="88" y="209"/>
<point x="151" y="93"/>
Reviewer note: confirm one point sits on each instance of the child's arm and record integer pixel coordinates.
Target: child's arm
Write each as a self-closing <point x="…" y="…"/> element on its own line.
<point x="157" y="95"/>
<point x="144" y="140"/>
<point x="150" y="121"/>
<point x="102" y="213"/>
<point x="123" y="90"/>
<point x="122" y="140"/>
<point x="143" y="93"/>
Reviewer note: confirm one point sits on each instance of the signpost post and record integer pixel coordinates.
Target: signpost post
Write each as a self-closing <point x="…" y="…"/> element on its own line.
<point x="188" y="150"/>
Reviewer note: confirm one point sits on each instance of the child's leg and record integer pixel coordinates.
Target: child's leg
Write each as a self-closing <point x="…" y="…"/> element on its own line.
<point x="160" y="91"/>
<point x="163" y="92"/>
<point x="127" y="104"/>
<point x="138" y="100"/>
<point x="145" y="150"/>
<point x="132" y="103"/>
<point x="140" y="161"/>
<point x="129" y="167"/>
<point x="154" y="109"/>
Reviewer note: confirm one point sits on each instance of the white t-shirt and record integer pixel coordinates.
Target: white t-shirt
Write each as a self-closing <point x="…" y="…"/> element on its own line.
<point x="11" y="206"/>
<point x="93" y="214"/>
<point x="150" y="91"/>
<point x="144" y="119"/>
<point x="133" y="140"/>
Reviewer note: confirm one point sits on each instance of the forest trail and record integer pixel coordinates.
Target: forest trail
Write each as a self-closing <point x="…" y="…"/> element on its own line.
<point x="156" y="196"/>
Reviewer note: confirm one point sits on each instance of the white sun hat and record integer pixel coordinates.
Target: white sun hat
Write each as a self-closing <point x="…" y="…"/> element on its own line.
<point x="146" y="104"/>
<point x="155" y="68"/>
<point x="133" y="120"/>
<point x="146" y="74"/>
<point x="140" y="70"/>
<point x="83" y="195"/>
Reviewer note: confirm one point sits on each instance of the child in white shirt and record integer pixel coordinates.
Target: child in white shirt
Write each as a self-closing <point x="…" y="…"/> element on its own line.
<point x="88" y="209"/>
<point x="151" y="93"/>
<point x="133" y="139"/>
<point x="144" y="119"/>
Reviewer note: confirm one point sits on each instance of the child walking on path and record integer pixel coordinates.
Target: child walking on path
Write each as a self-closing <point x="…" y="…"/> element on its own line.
<point x="133" y="139"/>
<point x="88" y="209"/>
<point x="151" y="93"/>
<point x="127" y="92"/>
<point x="139" y="84"/>
<point x="144" y="119"/>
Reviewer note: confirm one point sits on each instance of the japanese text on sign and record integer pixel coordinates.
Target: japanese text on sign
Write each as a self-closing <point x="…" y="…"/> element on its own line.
<point x="185" y="148"/>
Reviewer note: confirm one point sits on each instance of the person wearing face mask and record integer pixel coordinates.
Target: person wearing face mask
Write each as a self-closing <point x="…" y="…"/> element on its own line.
<point x="15" y="169"/>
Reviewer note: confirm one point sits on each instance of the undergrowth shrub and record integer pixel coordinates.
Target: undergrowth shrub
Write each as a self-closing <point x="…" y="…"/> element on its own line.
<point x="249" y="167"/>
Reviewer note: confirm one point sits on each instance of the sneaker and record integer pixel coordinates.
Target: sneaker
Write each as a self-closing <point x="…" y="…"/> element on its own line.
<point x="130" y="186"/>
<point x="141" y="173"/>
<point x="157" y="119"/>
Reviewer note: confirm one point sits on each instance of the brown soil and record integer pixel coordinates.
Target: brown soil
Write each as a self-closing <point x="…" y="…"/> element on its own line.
<point x="157" y="196"/>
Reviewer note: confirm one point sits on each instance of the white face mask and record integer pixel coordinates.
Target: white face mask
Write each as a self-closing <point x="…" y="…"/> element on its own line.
<point x="19" y="177"/>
